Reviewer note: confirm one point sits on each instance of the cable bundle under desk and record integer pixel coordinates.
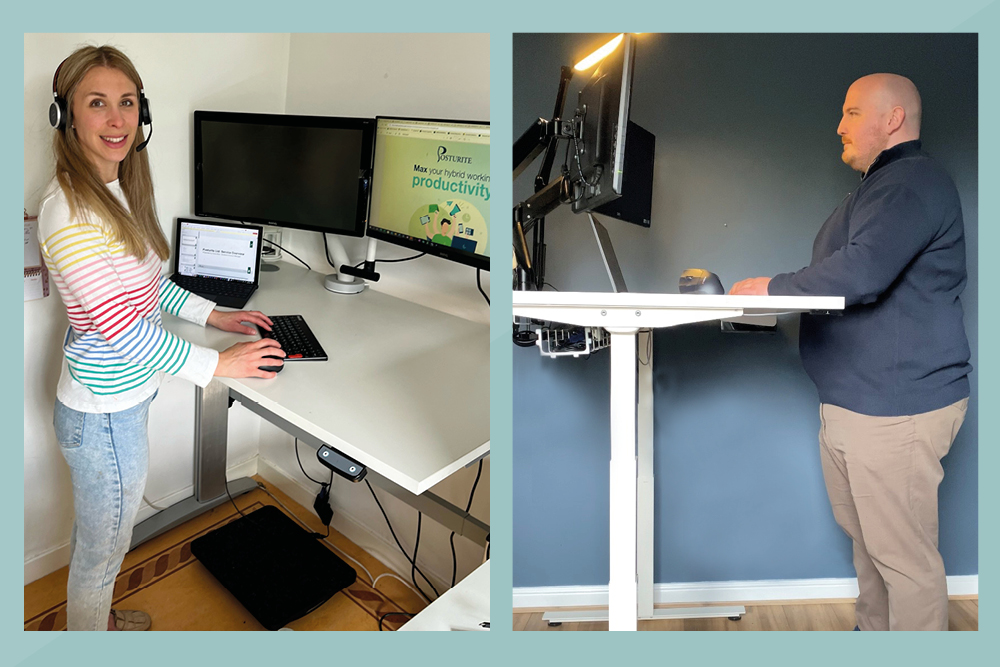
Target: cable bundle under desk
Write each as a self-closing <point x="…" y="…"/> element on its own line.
<point x="571" y="341"/>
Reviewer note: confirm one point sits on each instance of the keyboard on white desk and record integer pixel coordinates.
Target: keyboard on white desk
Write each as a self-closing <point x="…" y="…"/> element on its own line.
<point x="295" y="337"/>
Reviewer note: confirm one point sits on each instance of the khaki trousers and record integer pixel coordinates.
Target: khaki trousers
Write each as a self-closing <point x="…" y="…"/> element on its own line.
<point x="882" y="476"/>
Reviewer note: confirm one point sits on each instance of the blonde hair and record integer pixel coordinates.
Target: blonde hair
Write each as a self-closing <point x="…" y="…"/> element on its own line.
<point x="139" y="231"/>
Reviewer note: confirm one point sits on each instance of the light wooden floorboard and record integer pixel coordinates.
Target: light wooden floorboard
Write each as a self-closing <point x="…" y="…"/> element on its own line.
<point x="796" y="616"/>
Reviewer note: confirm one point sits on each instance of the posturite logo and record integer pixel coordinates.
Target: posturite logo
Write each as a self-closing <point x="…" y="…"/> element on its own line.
<point x="445" y="156"/>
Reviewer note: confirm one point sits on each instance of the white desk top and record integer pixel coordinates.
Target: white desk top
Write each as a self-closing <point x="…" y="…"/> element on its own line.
<point x="406" y="390"/>
<point x="642" y="310"/>
<point x="463" y="607"/>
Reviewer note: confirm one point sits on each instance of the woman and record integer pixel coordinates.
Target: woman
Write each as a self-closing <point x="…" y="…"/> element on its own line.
<point x="104" y="249"/>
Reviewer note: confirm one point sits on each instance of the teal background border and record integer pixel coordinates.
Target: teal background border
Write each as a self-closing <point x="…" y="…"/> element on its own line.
<point x="501" y="19"/>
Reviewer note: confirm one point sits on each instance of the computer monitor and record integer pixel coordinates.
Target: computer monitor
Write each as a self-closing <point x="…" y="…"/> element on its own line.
<point x="603" y="107"/>
<point x="635" y="204"/>
<point x="431" y="187"/>
<point x="303" y="172"/>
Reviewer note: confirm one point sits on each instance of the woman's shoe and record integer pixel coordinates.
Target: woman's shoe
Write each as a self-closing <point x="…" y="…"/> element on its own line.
<point x="128" y="619"/>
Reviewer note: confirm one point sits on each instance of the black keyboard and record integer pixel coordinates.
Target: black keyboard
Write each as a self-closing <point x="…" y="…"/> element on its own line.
<point x="202" y="285"/>
<point x="296" y="338"/>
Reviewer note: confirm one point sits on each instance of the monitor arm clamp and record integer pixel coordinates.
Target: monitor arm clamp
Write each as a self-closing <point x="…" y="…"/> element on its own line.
<point x="343" y="281"/>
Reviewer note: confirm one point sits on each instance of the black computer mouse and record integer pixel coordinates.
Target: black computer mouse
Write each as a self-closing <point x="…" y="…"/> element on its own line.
<point x="700" y="281"/>
<point x="273" y="369"/>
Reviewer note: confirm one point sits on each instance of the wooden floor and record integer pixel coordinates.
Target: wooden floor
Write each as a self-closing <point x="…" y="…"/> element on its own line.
<point x="162" y="578"/>
<point x="963" y="615"/>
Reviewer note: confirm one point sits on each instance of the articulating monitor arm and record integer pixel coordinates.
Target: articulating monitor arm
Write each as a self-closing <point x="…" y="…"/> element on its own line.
<point x="529" y="215"/>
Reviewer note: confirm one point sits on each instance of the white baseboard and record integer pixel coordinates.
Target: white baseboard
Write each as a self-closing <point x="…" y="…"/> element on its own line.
<point x="549" y="597"/>
<point x="375" y="545"/>
<point x="48" y="562"/>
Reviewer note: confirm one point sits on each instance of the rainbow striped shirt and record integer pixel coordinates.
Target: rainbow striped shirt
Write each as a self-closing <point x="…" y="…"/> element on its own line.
<point x="116" y="347"/>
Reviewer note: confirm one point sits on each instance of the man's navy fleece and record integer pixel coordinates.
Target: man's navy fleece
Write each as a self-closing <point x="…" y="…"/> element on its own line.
<point x="895" y="249"/>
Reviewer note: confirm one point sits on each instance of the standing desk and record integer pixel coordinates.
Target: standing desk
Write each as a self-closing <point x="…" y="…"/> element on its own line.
<point x="630" y="318"/>
<point x="405" y="392"/>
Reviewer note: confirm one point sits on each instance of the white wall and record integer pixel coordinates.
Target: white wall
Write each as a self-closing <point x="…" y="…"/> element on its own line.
<point x="418" y="75"/>
<point x="368" y="75"/>
<point x="350" y="75"/>
<point x="180" y="73"/>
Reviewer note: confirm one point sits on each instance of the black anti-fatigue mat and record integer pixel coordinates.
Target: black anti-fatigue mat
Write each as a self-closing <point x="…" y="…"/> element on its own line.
<point x="277" y="570"/>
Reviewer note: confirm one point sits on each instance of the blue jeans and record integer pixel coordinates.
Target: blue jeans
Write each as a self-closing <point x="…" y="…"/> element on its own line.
<point x="107" y="455"/>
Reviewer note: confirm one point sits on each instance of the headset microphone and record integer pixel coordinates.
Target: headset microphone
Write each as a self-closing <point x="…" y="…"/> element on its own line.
<point x="150" y="123"/>
<point x="145" y="117"/>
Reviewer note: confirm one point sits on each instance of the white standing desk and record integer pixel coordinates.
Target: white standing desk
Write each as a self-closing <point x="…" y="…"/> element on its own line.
<point x="630" y="318"/>
<point x="405" y="392"/>
<point x="463" y="607"/>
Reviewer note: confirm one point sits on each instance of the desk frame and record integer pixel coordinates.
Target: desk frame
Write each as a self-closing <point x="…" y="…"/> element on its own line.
<point x="630" y="319"/>
<point x="211" y="437"/>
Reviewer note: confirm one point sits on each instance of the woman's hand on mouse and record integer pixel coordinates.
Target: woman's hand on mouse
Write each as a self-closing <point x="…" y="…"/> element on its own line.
<point x="243" y="360"/>
<point x="233" y="321"/>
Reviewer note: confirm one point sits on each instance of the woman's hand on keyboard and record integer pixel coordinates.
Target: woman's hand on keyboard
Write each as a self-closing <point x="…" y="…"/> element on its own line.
<point x="244" y="360"/>
<point x="233" y="321"/>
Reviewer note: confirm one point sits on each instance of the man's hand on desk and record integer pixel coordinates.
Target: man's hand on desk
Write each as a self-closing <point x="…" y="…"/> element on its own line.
<point x="233" y="321"/>
<point x="243" y="360"/>
<point x="751" y="286"/>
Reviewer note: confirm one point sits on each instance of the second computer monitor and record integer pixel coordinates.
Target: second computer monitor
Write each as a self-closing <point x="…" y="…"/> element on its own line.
<point x="431" y="187"/>
<point x="603" y="108"/>
<point x="305" y="172"/>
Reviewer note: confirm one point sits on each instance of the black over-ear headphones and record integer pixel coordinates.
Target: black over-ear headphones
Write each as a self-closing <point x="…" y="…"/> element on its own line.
<point x="59" y="109"/>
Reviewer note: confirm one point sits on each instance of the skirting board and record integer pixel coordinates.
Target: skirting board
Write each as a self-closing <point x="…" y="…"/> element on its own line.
<point x="550" y="597"/>
<point x="48" y="562"/>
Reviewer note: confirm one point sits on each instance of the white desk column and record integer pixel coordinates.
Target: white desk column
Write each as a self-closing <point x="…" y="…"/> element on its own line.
<point x="622" y="586"/>
<point x="644" y="491"/>
<point x="630" y="595"/>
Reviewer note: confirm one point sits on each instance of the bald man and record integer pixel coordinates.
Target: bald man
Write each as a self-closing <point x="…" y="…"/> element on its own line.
<point x="892" y="370"/>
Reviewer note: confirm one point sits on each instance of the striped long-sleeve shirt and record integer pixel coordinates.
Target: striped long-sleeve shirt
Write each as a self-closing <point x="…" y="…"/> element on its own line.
<point x="115" y="347"/>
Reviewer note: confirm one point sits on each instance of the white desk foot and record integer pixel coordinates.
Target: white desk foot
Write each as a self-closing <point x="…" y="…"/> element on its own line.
<point x="590" y="615"/>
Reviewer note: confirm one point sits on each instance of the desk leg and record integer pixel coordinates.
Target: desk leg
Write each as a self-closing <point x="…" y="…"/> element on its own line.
<point x="211" y="432"/>
<point x="630" y="592"/>
<point x="645" y="484"/>
<point x="622" y="609"/>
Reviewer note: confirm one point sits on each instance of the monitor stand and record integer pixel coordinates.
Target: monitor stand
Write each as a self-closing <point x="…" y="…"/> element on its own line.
<point x="341" y="283"/>
<point x="608" y="255"/>
<point x="335" y="283"/>
<point x="271" y="236"/>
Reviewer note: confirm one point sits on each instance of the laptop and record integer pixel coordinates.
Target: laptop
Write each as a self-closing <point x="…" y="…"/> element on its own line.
<point x="218" y="260"/>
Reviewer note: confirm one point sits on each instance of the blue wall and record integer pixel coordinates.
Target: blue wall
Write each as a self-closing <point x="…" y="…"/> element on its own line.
<point x="747" y="169"/>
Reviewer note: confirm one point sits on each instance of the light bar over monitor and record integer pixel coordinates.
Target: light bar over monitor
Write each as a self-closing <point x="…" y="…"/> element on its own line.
<point x="431" y="187"/>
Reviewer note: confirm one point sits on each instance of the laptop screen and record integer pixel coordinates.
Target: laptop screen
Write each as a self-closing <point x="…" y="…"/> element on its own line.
<point x="218" y="251"/>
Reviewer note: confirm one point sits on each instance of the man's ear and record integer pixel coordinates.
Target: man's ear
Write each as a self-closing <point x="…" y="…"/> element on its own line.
<point x="896" y="118"/>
